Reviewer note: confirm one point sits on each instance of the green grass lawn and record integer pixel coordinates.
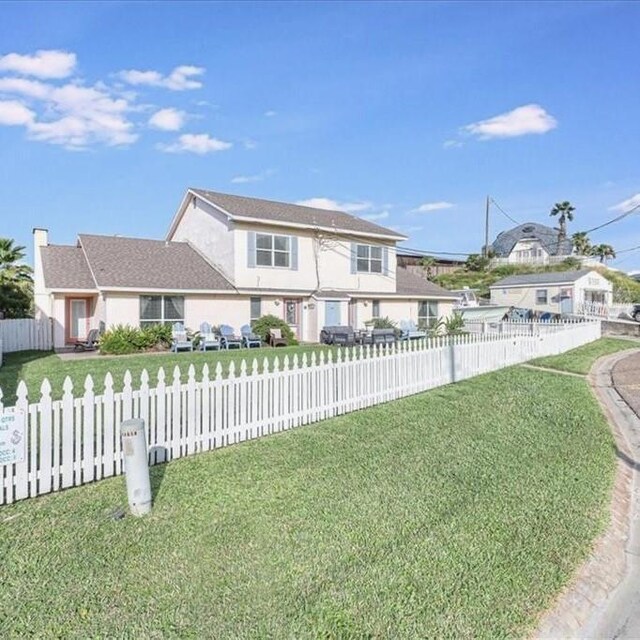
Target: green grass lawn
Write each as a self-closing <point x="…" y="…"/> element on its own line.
<point x="34" y="366"/>
<point x="580" y="360"/>
<point x="457" y="513"/>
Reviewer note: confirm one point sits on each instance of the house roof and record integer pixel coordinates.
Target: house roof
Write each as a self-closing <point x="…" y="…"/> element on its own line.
<point x="548" y="237"/>
<point x="554" y="277"/>
<point x="65" y="268"/>
<point x="136" y="263"/>
<point x="241" y="207"/>
<point x="410" y="284"/>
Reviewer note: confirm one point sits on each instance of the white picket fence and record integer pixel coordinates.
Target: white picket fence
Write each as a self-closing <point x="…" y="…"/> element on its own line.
<point x="75" y="440"/>
<point x="25" y="334"/>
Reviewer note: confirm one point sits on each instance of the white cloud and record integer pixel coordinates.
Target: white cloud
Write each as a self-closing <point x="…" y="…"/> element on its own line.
<point x="200" y="143"/>
<point x="522" y="121"/>
<point x="372" y="217"/>
<point x="407" y="230"/>
<point x="627" y="204"/>
<point x="270" y="113"/>
<point x="73" y="115"/>
<point x="249" y="143"/>
<point x="180" y="79"/>
<point x="42" y="64"/>
<point x="168" y="119"/>
<point x="452" y="144"/>
<point x="428" y="207"/>
<point x="258" y="177"/>
<point x="14" y="113"/>
<point x="334" y="205"/>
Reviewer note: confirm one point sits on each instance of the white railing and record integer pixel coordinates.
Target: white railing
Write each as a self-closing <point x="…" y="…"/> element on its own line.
<point x="25" y="334"/>
<point x="585" y="261"/>
<point x="519" y="327"/>
<point x="604" y="311"/>
<point x="75" y="440"/>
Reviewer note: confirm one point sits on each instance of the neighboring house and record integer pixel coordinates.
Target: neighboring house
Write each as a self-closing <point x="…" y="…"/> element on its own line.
<point x="531" y="243"/>
<point x="557" y="292"/>
<point x="411" y="260"/>
<point x="230" y="260"/>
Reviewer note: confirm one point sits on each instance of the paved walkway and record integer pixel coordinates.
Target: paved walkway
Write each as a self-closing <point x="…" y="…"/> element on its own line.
<point x="603" y="601"/>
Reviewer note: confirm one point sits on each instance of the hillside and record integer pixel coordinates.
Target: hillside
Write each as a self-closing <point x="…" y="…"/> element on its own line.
<point x="625" y="289"/>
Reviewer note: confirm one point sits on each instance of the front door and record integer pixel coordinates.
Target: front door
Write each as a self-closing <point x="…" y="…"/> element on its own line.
<point x="332" y="316"/>
<point x="566" y="301"/>
<point x="77" y="319"/>
<point x="292" y="315"/>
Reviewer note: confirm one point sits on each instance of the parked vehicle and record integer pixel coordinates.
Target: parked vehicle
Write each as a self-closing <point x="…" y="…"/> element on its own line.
<point x="635" y="314"/>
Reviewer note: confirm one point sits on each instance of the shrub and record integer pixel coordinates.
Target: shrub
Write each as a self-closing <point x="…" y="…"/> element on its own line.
<point x="262" y="325"/>
<point x="123" y="339"/>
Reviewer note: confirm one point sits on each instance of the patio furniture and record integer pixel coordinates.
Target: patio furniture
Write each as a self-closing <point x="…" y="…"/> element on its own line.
<point x="208" y="339"/>
<point x="228" y="338"/>
<point x="249" y="339"/>
<point x="383" y="336"/>
<point x="90" y="343"/>
<point x="275" y="338"/>
<point x="338" y="335"/>
<point x="410" y="331"/>
<point x="179" y="338"/>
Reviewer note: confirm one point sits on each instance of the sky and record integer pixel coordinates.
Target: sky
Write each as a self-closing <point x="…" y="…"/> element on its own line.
<point x="407" y="114"/>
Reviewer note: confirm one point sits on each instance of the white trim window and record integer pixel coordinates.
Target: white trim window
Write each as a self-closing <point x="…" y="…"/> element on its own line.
<point x="273" y="250"/>
<point x="375" y="309"/>
<point x="368" y="258"/>
<point x="427" y="314"/>
<point x="541" y="296"/>
<point x="161" y="310"/>
<point x="256" y="308"/>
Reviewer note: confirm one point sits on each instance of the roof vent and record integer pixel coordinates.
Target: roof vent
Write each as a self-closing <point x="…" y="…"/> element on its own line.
<point x="528" y="229"/>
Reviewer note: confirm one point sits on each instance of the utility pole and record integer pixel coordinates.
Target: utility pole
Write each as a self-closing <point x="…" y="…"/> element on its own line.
<point x="486" y="229"/>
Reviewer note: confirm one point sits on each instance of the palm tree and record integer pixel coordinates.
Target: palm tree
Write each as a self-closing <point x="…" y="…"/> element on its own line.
<point x="603" y="251"/>
<point x="564" y="211"/>
<point x="16" y="283"/>
<point x="581" y="243"/>
<point x="427" y="263"/>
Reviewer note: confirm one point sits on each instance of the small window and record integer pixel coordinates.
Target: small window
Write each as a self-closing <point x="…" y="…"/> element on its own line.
<point x="541" y="296"/>
<point x="368" y="258"/>
<point x="256" y="309"/>
<point x="273" y="251"/>
<point x="161" y="310"/>
<point x="427" y="314"/>
<point x="375" y="308"/>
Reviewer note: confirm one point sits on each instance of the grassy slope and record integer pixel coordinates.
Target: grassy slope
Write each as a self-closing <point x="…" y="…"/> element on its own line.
<point x="34" y="366"/>
<point x="625" y="288"/>
<point x="581" y="359"/>
<point x="457" y="513"/>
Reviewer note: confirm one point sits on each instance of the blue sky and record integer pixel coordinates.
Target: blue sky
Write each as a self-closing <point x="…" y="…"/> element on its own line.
<point x="407" y="113"/>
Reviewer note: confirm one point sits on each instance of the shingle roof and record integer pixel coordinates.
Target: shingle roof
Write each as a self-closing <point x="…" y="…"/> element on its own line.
<point x="408" y="283"/>
<point x="65" y="268"/>
<point x="284" y="212"/>
<point x="149" y="264"/>
<point x="554" y="277"/>
<point x="548" y="237"/>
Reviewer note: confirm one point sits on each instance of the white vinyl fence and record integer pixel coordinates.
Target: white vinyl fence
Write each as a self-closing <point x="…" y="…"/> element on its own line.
<point x="76" y="440"/>
<point x="24" y="334"/>
<point x="605" y="311"/>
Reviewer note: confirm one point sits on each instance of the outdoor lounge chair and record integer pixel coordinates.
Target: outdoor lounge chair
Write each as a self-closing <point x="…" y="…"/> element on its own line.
<point x="179" y="338"/>
<point x="208" y="339"/>
<point x="410" y="331"/>
<point x="90" y="343"/>
<point x="275" y="338"/>
<point x="228" y="338"/>
<point x="249" y="339"/>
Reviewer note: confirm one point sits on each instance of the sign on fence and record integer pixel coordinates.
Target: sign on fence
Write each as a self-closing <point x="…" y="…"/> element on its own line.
<point x="13" y="436"/>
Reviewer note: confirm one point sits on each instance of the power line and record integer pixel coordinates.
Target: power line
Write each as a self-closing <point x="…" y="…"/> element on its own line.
<point x="616" y="219"/>
<point x="504" y="212"/>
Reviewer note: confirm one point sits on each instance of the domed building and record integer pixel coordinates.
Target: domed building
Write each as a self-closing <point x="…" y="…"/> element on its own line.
<point x="531" y="243"/>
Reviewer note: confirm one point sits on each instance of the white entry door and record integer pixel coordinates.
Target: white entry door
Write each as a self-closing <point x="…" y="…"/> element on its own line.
<point x="77" y="319"/>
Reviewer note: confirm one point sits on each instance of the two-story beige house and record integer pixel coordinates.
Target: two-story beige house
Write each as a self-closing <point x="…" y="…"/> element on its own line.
<point x="229" y="260"/>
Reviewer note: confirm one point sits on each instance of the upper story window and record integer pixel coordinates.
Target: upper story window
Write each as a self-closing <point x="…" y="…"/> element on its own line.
<point x="272" y="250"/>
<point x="368" y="258"/>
